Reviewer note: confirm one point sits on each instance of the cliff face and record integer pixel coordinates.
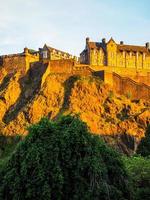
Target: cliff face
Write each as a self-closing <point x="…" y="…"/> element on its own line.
<point x="25" y="99"/>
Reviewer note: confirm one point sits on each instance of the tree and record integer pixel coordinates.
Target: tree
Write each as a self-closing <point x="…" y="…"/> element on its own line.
<point x="138" y="168"/>
<point x="144" y="146"/>
<point x="62" y="161"/>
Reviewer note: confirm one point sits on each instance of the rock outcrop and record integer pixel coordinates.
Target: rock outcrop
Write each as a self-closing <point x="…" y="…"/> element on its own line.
<point x="38" y="93"/>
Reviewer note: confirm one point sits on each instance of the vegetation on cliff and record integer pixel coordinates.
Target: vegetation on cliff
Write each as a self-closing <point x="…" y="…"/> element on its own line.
<point x="138" y="169"/>
<point x="144" y="146"/>
<point x="62" y="160"/>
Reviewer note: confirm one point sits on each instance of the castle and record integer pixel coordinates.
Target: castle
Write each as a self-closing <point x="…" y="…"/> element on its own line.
<point x="125" y="67"/>
<point x="116" y="55"/>
<point x="22" y="61"/>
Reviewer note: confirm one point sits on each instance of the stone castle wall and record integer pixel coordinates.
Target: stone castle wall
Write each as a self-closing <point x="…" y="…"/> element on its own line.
<point x="69" y="66"/>
<point x="18" y="62"/>
<point x="127" y="86"/>
<point x="61" y="66"/>
<point x="141" y="76"/>
<point x="14" y="63"/>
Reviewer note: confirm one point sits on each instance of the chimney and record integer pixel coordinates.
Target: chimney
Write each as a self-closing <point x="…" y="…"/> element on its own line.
<point x="103" y="40"/>
<point x="26" y="50"/>
<point x="147" y="45"/>
<point x="87" y="40"/>
<point x="121" y="42"/>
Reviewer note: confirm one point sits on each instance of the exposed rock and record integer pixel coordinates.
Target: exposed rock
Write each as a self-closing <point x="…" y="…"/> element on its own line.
<point x="24" y="100"/>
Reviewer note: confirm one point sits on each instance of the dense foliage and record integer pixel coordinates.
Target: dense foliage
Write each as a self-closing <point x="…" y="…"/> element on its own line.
<point x="144" y="146"/>
<point x="139" y="170"/>
<point x="7" y="145"/>
<point x="61" y="161"/>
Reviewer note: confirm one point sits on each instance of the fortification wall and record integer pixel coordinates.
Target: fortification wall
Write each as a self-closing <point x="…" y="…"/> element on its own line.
<point x="82" y="70"/>
<point x="142" y="79"/>
<point x="124" y="85"/>
<point x="61" y="66"/>
<point x="129" y="87"/>
<point x="29" y="59"/>
<point x="68" y="66"/>
<point x="14" y="62"/>
<point x="138" y="75"/>
<point x="18" y="62"/>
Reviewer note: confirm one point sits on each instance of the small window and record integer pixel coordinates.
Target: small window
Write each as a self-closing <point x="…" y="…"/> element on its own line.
<point x="45" y="54"/>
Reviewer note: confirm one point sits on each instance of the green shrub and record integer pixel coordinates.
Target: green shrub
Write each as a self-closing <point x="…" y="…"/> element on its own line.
<point x="139" y="171"/>
<point x="63" y="161"/>
<point x="144" y="146"/>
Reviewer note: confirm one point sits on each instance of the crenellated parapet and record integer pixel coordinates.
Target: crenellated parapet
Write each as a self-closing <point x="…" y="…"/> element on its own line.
<point x="20" y="61"/>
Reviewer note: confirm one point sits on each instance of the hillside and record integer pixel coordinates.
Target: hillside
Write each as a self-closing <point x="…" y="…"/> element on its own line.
<point x="25" y="98"/>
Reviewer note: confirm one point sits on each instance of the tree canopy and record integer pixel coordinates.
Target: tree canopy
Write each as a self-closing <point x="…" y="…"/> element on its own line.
<point x="62" y="160"/>
<point x="144" y="146"/>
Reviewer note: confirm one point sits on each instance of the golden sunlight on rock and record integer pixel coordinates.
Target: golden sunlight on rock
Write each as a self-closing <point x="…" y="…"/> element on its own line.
<point x="106" y="113"/>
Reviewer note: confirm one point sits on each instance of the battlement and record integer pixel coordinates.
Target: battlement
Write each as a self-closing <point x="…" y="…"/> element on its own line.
<point x="19" y="61"/>
<point x="11" y="55"/>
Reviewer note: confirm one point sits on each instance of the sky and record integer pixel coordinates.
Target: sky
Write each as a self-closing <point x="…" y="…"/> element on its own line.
<point x="64" y="24"/>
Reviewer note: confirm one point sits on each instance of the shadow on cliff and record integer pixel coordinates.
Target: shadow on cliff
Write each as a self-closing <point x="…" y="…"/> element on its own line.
<point x="5" y="81"/>
<point x="68" y="85"/>
<point x="30" y="85"/>
<point x="124" y="143"/>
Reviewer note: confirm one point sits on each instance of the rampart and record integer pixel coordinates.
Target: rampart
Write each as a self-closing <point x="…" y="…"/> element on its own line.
<point x="68" y="66"/>
<point x="138" y="75"/>
<point x="14" y="62"/>
<point x="127" y="86"/>
<point x="18" y="62"/>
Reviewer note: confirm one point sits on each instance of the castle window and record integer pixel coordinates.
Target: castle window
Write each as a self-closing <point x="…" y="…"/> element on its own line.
<point x="45" y="54"/>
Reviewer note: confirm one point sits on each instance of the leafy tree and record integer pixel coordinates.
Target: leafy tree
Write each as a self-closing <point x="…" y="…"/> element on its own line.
<point x="138" y="168"/>
<point x="62" y="161"/>
<point x="144" y="146"/>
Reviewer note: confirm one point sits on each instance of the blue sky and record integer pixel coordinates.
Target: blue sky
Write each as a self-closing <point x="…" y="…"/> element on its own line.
<point x="64" y="24"/>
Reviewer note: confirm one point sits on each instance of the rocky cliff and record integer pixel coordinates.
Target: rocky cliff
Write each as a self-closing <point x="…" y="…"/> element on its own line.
<point x="24" y="99"/>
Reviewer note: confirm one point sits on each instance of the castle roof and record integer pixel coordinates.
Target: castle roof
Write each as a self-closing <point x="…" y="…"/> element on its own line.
<point x="96" y="45"/>
<point x="134" y="48"/>
<point x="51" y="49"/>
<point x="120" y="47"/>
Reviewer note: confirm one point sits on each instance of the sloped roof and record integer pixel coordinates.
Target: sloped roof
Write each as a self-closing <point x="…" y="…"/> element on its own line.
<point x="51" y="49"/>
<point x="120" y="47"/>
<point x="111" y="39"/>
<point x="134" y="48"/>
<point x="97" y="45"/>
